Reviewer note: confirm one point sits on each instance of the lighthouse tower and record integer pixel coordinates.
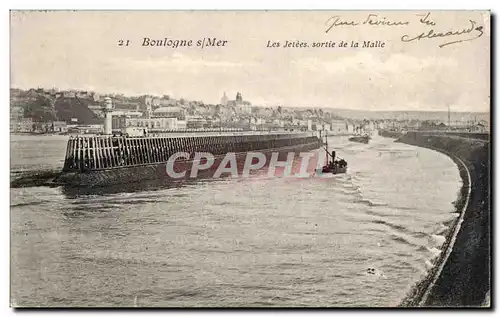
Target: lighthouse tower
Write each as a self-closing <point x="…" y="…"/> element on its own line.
<point x="108" y="109"/>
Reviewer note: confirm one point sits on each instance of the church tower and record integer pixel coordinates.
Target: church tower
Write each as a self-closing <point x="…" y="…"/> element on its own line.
<point x="239" y="99"/>
<point x="224" y="100"/>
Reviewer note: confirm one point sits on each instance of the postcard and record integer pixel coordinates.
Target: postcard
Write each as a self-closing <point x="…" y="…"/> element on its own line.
<point x="249" y="159"/>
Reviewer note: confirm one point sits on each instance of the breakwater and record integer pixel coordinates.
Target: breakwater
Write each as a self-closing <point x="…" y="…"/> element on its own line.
<point x="94" y="161"/>
<point x="461" y="275"/>
<point x="106" y="152"/>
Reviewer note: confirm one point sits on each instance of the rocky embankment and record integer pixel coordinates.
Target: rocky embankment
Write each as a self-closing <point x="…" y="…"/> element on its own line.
<point x="464" y="279"/>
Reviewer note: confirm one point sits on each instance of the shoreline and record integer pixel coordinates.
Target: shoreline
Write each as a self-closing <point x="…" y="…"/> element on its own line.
<point x="461" y="275"/>
<point x="420" y="291"/>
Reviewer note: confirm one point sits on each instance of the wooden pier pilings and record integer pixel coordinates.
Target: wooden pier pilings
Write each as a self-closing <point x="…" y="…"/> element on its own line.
<point x="88" y="153"/>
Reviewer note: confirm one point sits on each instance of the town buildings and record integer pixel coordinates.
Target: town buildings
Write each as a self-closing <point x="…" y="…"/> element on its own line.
<point x="167" y="113"/>
<point x="242" y="106"/>
<point x="21" y="125"/>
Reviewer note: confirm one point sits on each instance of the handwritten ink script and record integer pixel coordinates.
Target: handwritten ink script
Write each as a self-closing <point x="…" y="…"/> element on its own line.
<point x="371" y="19"/>
<point x="473" y="31"/>
<point x="465" y="33"/>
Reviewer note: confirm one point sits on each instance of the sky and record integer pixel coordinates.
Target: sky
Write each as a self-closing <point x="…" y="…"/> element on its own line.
<point x="79" y="50"/>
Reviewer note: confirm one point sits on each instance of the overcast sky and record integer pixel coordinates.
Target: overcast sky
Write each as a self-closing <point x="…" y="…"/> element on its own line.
<point x="80" y="50"/>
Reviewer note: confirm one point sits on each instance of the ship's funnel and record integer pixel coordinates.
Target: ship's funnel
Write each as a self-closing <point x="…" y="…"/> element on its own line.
<point x="108" y="108"/>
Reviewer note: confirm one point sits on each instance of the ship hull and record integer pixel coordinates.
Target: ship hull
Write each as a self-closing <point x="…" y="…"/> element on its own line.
<point x="158" y="171"/>
<point x="336" y="170"/>
<point x="363" y="140"/>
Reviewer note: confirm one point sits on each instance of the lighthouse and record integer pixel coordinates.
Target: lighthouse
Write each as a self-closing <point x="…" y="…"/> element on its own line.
<point x="108" y="109"/>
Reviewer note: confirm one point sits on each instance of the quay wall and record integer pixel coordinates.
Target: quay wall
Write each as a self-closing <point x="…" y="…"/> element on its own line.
<point x="100" y="161"/>
<point x="461" y="275"/>
<point x="157" y="171"/>
<point x="112" y="152"/>
<point x="468" y="135"/>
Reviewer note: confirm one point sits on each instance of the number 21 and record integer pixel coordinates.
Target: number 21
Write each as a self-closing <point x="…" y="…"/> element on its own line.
<point x="122" y="43"/>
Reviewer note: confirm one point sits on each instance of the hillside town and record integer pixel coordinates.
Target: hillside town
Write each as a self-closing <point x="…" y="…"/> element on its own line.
<point x="74" y="111"/>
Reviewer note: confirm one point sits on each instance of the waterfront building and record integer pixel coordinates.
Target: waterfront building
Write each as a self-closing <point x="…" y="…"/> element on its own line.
<point x="309" y="125"/>
<point x="155" y="123"/>
<point x="59" y="126"/>
<point x="86" y="129"/>
<point x="339" y="126"/>
<point x="196" y="122"/>
<point x="16" y="113"/>
<point x="168" y="112"/>
<point x="22" y="125"/>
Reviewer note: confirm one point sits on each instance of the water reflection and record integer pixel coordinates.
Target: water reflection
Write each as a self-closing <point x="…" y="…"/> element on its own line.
<point x="132" y="187"/>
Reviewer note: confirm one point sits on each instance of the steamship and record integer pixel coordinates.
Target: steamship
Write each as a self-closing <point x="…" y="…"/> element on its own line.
<point x="360" y="138"/>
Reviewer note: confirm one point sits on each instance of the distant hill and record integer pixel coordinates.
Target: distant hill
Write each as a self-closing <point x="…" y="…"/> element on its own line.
<point x="39" y="108"/>
<point x="68" y="108"/>
<point x="44" y="107"/>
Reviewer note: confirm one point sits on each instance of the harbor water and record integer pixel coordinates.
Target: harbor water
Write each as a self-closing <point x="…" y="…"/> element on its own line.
<point x="359" y="239"/>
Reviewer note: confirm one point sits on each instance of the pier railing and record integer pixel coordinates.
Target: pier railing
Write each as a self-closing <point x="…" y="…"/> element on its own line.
<point x="86" y="153"/>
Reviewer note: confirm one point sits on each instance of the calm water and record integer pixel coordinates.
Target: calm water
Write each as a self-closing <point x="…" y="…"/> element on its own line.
<point x="234" y="242"/>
